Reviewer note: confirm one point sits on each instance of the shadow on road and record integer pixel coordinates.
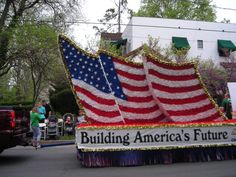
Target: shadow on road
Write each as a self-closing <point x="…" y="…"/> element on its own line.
<point x="12" y="159"/>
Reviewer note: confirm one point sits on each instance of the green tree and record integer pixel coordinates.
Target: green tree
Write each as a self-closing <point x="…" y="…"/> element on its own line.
<point x="35" y="57"/>
<point x="14" y="13"/>
<point x="184" y="9"/>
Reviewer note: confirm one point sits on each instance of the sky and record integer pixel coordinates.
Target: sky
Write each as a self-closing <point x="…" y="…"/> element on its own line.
<point x="95" y="9"/>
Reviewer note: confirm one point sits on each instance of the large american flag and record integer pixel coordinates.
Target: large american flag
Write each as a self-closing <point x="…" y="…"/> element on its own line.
<point x="109" y="89"/>
<point x="113" y="91"/>
<point x="180" y="92"/>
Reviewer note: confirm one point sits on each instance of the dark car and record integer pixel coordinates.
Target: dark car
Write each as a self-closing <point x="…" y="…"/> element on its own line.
<point x="14" y="127"/>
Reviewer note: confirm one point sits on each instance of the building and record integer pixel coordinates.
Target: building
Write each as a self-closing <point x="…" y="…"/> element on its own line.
<point x="203" y="39"/>
<point x="113" y="39"/>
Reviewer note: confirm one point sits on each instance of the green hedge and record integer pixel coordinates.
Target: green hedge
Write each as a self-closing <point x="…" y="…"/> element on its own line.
<point x="27" y="105"/>
<point x="64" y="102"/>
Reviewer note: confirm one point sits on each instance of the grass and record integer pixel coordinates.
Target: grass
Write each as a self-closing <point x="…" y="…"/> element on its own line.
<point x="67" y="137"/>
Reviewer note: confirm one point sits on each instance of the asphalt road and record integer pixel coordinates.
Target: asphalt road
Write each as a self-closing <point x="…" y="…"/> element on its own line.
<point x="61" y="162"/>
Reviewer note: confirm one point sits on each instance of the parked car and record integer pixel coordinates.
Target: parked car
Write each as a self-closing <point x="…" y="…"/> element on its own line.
<point x="14" y="127"/>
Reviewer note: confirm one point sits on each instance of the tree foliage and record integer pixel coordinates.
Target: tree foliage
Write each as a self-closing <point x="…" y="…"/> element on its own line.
<point x="34" y="56"/>
<point x="178" y="9"/>
<point x="14" y="13"/>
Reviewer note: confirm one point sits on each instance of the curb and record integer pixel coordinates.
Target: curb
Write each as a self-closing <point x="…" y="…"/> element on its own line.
<point x="60" y="143"/>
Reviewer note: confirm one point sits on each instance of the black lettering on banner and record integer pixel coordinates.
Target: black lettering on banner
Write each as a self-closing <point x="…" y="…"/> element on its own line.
<point x="186" y="137"/>
<point x="138" y="137"/>
<point x="196" y="133"/>
<point x="84" y="138"/>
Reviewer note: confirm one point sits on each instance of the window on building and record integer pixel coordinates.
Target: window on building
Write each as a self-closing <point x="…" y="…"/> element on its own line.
<point x="200" y="44"/>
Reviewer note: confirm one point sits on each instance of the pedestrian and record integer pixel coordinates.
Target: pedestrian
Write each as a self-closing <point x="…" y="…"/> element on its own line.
<point x="48" y="109"/>
<point x="42" y="111"/>
<point x="34" y="119"/>
<point x="226" y="106"/>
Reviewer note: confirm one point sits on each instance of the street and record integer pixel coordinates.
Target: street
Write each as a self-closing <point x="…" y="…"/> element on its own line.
<point x="60" y="161"/>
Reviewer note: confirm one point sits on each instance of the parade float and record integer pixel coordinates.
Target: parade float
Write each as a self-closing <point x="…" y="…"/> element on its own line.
<point x="144" y="113"/>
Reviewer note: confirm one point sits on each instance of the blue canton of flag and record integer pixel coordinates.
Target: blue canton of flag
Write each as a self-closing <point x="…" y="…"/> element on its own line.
<point x="111" y="75"/>
<point x="88" y="69"/>
<point x="84" y="67"/>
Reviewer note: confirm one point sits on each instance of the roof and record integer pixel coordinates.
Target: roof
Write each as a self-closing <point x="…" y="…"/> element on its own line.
<point x="111" y="36"/>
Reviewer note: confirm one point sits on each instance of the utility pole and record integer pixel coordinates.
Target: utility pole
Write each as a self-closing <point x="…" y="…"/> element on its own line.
<point x="119" y="17"/>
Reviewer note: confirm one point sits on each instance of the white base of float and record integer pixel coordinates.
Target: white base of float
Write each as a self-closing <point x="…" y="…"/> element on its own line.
<point x="133" y="145"/>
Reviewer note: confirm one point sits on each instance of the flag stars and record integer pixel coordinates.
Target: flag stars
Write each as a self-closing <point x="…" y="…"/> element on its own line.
<point x="75" y="56"/>
<point x="75" y="69"/>
<point x="68" y="46"/>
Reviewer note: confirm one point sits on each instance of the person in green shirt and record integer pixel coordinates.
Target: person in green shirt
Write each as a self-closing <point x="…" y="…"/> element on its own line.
<point x="34" y="119"/>
<point x="227" y="107"/>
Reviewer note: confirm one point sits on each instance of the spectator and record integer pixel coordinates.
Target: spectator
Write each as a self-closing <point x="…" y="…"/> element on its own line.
<point x="34" y="119"/>
<point x="81" y="117"/>
<point x="42" y="111"/>
<point x="226" y="106"/>
<point x="48" y="109"/>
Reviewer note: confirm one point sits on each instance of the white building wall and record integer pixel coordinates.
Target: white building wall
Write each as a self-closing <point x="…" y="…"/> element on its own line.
<point x="140" y="27"/>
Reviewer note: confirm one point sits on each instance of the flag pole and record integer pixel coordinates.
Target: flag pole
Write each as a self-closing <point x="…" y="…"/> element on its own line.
<point x="109" y="86"/>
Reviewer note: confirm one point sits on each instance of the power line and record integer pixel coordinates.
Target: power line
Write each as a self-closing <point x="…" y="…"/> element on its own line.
<point x="152" y="26"/>
<point x="225" y="8"/>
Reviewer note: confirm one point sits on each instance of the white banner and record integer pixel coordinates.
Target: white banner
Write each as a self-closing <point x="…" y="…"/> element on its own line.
<point x="232" y="92"/>
<point x="154" y="138"/>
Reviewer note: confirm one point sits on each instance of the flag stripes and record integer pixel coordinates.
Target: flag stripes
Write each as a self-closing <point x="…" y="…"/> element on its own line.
<point x="179" y="91"/>
<point x="114" y="91"/>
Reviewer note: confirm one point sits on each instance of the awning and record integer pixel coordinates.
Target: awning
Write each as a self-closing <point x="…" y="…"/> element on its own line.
<point x="180" y="42"/>
<point x="119" y="43"/>
<point x="226" y="44"/>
